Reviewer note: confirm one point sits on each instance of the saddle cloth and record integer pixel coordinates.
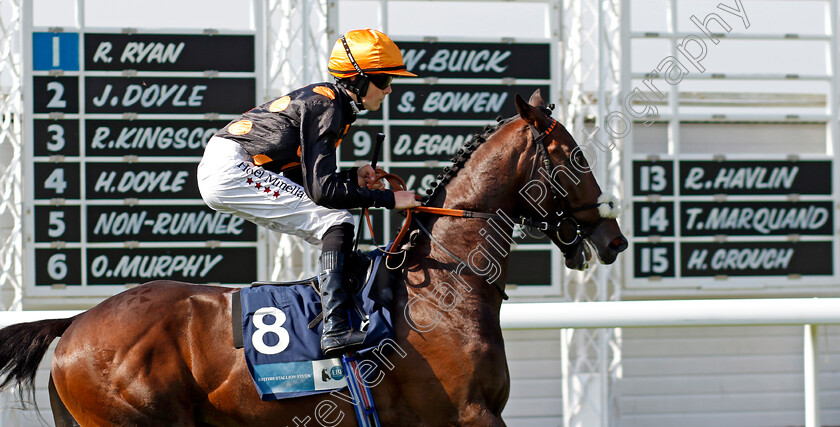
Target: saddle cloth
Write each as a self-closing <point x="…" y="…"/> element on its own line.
<point x="284" y="354"/>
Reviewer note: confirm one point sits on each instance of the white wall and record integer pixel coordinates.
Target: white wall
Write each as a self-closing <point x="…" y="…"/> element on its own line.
<point x="536" y="372"/>
<point x="724" y="376"/>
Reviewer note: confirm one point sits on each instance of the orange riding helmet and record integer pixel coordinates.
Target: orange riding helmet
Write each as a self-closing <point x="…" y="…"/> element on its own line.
<point x="369" y="54"/>
<point x="367" y="51"/>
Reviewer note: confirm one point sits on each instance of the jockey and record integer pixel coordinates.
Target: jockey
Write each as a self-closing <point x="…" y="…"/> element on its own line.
<point x="276" y="166"/>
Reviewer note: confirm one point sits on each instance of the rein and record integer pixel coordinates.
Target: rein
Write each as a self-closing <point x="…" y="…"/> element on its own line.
<point x="398" y="184"/>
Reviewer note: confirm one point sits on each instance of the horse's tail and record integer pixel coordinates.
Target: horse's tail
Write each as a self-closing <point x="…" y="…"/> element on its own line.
<point x="22" y="346"/>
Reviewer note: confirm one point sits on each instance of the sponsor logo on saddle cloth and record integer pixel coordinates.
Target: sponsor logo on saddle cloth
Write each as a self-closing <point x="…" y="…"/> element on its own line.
<point x="283" y="354"/>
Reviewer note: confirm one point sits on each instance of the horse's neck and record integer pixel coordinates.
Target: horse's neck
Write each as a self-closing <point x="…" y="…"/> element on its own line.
<point x="460" y="269"/>
<point x="489" y="180"/>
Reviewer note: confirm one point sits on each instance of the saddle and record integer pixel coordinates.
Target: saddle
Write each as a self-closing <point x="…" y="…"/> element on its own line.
<point x="360" y="270"/>
<point x="279" y="326"/>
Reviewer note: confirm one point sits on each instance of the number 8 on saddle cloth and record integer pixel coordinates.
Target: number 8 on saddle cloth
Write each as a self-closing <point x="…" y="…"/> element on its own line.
<point x="282" y="350"/>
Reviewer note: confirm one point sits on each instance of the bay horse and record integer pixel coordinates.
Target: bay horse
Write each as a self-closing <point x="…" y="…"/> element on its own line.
<point x="162" y="353"/>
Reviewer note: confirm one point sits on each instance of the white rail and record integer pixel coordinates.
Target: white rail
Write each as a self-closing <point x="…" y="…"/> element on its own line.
<point x="734" y="312"/>
<point x="637" y="314"/>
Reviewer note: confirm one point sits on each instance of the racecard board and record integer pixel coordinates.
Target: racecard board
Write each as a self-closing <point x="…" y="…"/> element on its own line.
<point x="462" y="87"/>
<point x="723" y="223"/>
<point x="118" y="125"/>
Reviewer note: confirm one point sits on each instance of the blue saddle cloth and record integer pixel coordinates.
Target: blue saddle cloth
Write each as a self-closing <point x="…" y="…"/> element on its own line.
<point x="283" y="354"/>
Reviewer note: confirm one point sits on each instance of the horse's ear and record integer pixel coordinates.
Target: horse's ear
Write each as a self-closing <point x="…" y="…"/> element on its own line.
<point x="537" y="99"/>
<point x="530" y="113"/>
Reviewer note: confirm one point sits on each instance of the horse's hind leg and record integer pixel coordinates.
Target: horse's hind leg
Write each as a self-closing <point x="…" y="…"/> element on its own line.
<point x="61" y="415"/>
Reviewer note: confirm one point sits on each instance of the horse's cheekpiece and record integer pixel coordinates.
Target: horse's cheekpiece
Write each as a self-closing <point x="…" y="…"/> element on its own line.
<point x="281" y="332"/>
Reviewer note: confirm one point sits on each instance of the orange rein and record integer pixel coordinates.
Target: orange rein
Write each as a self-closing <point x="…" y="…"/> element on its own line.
<point x="398" y="184"/>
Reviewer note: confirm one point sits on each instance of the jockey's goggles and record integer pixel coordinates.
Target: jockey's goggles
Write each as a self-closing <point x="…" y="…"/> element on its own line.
<point x="382" y="81"/>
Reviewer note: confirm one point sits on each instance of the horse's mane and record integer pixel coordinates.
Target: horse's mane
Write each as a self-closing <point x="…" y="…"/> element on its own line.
<point x="466" y="151"/>
<point x="461" y="157"/>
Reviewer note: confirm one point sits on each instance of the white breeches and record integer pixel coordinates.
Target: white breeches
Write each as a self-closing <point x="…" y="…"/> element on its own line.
<point x="230" y="182"/>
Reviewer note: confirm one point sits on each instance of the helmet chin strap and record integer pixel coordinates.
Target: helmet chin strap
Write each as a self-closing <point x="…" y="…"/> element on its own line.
<point x="359" y="86"/>
<point x="353" y="86"/>
<point x="356" y="106"/>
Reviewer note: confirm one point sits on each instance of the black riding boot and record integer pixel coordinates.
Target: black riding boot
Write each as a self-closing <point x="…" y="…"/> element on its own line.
<point x="337" y="336"/>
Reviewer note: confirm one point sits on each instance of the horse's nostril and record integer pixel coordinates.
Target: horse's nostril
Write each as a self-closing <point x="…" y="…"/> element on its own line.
<point x="618" y="244"/>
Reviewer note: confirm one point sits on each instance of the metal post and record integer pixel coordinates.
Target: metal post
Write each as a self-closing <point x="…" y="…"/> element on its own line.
<point x="812" y="387"/>
<point x="299" y="35"/>
<point x="566" y="390"/>
<point x="382" y="17"/>
<point x="15" y="19"/>
<point x="674" y="147"/>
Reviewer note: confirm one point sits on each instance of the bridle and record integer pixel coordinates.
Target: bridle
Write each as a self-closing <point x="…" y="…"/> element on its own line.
<point x="568" y="230"/>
